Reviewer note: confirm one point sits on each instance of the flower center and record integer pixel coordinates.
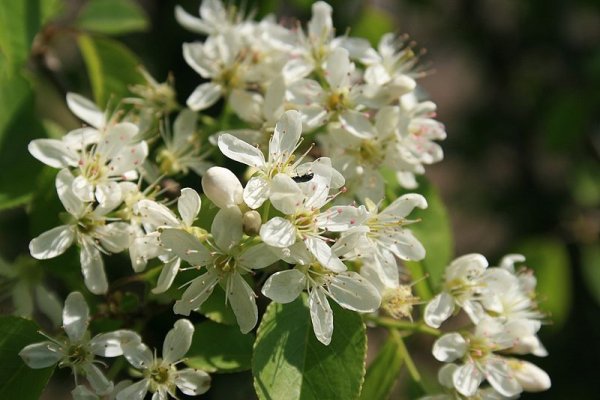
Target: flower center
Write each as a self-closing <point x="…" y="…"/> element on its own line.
<point x="304" y="222"/>
<point x="77" y="354"/>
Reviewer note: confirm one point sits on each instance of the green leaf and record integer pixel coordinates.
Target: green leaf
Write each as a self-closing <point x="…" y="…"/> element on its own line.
<point x="19" y="23"/>
<point x="549" y="259"/>
<point x="18" y="125"/>
<point x="111" y="68"/>
<point x="17" y="380"/>
<point x="216" y="309"/>
<point x="590" y="264"/>
<point x="220" y="348"/>
<point x="384" y="370"/>
<point x="435" y="233"/>
<point x="290" y="363"/>
<point x="112" y="17"/>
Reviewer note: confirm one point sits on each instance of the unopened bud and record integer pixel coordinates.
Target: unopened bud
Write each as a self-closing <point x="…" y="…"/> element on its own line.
<point x="222" y="187"/>
<point x="252" y="223"/>
<point x="531" y="377"/>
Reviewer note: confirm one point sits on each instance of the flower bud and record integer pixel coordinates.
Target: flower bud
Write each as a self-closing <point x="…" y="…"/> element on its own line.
<point x="222" y="187"/>
<point x="531" y="377"/>
<point x="252" y="222"/>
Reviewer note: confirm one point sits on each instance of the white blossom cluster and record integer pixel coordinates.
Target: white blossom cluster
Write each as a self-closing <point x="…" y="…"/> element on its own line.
<point x="78" y="351"/>
<point x="500" y="303"/>
<point x="308" y="218"/>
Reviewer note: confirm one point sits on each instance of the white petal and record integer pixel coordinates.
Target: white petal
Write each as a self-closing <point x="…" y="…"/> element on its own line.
<point x="195" y="56"/>
<point x="508" y="261"/>
<point x="257" y="190"/>
<point x="114" y="237"/>
<point x="109" y="195"/>
<point x="100" y="384"/>
<point x="449" y="347"/>
<point x="83" y="393"/>
<point x="320" y="25"/>
<point x="64" y="189"/>
<point x="204" y="96"/>
<point x="184" y="128"/>
<point x="445" y="375"/>
<point x="111" y="344"/>
<point x="278" y="232"/>
<point x="85" y="110"/>
<point x="178" y="341"/>
<point x="188" y="205"/>
<point x="439" y="309"/>
<point x="222" y="187"/>
<point x="137" y="391"/>
<point x="324" y="254"/>
<point x="196" y="293"/>
<point x="499" y="375"/>
<point x="52" y="243"/>
<point x="287" y="133"/>
<point x="257" y="257"/>
<point x="192" y="382"/>
<point x="79" y="139"/>
<point x="284" y="286"/>
<point x="341" y="218"/>
<point x="241" y="297"/>
<point x="296" y="69"/>
<point x="227" y="227"/>
<point x="338" y="68"/>
<point x="54" y="153"/>
<point x="83" y="189"/>
<point x="240" y="151"/>
<point x="41" y="355"/>
<point x="76" y="315"/>
<point x="155" y="214"/>
<point x="531" y="377"/>
<point x="138" y="354"/>
<point x="403" y="244"/>
<point x="190" y="22"/>
<point x="404" y="205"/>
<point x="92" y="268"/>
<point x="321" y="315"/>
<point x="186" y="246"/>
<point x="286" y="196"/>
<point x="119" y="137"/>
<point x="352" y="291"/>
<point x="357" y="124"/>
<point x="467" y="379"/>
<point x="167" y="275"/>
<point x="246" y="105"/>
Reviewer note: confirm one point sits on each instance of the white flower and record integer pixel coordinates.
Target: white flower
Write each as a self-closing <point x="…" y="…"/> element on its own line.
<point x="77" y="350"/>
<point x="215" y="18"/>
<point x="463" y="283"/>
<point x="304" y="222"/>
<point x="226" y="259"/>
<point x="161" y="375"/>
<point x="89" y="228"/>
<point x="281" y="159"/>
<point x="382" y="236"/>
<point x="182" y="147"/>
<point x="478" y="352"/>
<point x="154" y="216"/>
<point x="348" y="289"/>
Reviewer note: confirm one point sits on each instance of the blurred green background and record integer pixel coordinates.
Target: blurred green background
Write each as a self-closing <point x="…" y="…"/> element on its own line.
<point x="517" y="85"/>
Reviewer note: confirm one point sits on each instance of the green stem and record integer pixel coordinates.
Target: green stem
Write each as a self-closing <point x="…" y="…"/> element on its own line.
<point x="404" y="325"/>
<point x="265" y="212"/>
<point x="410" y="364"/>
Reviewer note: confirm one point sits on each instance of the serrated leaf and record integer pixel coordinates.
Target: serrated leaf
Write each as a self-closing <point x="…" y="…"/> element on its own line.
<point x="218" y="348"/>
<point x="111" y="68"/>
<point x="17" y="380"/>
<point x="384" y="370"/>
<point x="549" y="259"/>
<point x="290" y="363"/>
<point x="112" y="17"/>
<point x="216" y="309"/>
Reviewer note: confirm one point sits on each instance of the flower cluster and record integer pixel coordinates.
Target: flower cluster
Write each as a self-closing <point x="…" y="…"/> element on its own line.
<point x="500" y="302"/>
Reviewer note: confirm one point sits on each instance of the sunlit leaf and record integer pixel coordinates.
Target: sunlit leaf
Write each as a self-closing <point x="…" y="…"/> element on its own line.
<point x="290" y="363"/>
<point x="384" y="370"/>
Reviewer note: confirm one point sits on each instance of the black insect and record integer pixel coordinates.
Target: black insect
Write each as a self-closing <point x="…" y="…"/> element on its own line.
<point x="303" y="178"/>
